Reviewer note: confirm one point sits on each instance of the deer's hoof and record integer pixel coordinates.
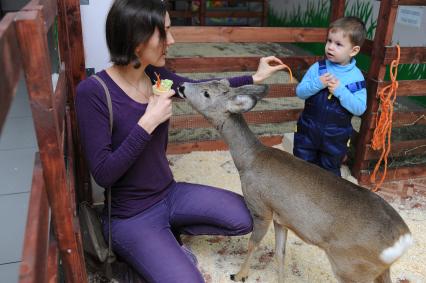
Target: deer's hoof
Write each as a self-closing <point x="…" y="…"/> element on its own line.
<point x="235" y="277"/>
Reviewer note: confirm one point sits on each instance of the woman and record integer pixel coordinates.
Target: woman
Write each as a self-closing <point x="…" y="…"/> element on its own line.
<point x="149" y="208"/>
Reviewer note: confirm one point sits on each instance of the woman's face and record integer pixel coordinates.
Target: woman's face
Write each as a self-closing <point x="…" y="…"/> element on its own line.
<point x="154" y="51"/>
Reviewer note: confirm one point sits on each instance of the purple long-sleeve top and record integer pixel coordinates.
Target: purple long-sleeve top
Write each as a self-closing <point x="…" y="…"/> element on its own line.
<point x="130" y="161"/>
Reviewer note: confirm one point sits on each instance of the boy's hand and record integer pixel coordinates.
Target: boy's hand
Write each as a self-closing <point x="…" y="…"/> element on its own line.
<point x="333" y="84"/>
<point x="325" y="79"/>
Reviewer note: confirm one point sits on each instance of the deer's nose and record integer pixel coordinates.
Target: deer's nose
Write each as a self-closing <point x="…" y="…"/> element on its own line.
<point x="181" y="90"/>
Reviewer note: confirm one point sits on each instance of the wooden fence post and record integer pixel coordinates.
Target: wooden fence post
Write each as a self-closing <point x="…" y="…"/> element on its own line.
<point x="376" y="74"/>
<point x="34" y="49"/>
<point x="337" y="8"/>
<point x="72" y="51"/>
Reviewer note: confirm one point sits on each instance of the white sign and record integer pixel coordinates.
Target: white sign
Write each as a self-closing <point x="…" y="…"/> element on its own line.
<point x="410" y="16"/>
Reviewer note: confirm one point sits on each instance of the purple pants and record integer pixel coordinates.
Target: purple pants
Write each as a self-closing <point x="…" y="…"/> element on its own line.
<point x="147" y="240"/>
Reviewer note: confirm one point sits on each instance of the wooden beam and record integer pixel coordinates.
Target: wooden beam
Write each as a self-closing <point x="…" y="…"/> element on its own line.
<point x="281" y="90"/>
<point x="265" y="13"/>
<point x="52" y="275"/>
<point x="376" y="73"/>
<point x="72" y="53"/>
<point x="233" y="64"/>
<point x="407" y="87"/>
<point x="399" y="149"/>
<point x="410" y="2"/>
<point x="10" y="65"/>
<point x="33" y="266"/>
<point x="70" y="159"/>
<point x="48" y="8"/>
<point x="234" y="14"/>
<point x="367" y="47"/>
<point x="401" y="173"/>
<point x="248" y="34"/>
<point x="36" y="61"/>
<point x="337" y="9"/>
<point x="60" y="97"/>
<point x="405" y="119"/>
<point x="253" y="118"/>
<point x="181" y="148"/>
<point x="182" y="14"/>
<point x="408" y="55"/>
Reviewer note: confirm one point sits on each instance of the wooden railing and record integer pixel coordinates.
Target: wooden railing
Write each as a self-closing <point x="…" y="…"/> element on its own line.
<point x="10" y="64"/>
<point x="56" y="183"/>
<point x="298" y="64"/>
<point x="381" y="55"/>
<point x="52" y="233"/>
<point x="203" y="13"/>
<point x="38" y="262"/>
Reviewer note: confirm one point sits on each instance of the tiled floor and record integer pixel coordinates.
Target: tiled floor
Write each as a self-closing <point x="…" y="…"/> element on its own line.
<point x="17" y="148"/>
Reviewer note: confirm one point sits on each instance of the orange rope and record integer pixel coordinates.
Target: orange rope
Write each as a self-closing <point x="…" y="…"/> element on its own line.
<point x="382" y="133"/>
<point x="290" y="72"/>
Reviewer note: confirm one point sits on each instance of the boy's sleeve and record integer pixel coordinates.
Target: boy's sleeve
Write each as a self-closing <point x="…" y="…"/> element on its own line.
<point x="310" y="84"/>
<point x="356" y="103"/>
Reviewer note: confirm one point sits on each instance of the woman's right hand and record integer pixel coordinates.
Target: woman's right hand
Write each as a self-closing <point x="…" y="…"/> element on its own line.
<point x="159" y="109"/>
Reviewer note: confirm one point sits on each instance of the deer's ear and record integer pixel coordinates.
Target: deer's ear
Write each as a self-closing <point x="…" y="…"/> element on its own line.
<point x="258" y="91"/>
<point x="241" y="103"/>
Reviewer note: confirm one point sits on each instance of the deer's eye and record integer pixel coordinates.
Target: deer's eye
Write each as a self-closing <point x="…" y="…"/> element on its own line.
<point x="206" y="94"/>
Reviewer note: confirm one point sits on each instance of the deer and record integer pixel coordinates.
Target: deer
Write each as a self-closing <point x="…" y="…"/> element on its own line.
<point x="361" y="234"/>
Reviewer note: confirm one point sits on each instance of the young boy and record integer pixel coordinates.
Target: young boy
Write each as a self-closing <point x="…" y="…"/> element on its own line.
<point x="334" y="91"/>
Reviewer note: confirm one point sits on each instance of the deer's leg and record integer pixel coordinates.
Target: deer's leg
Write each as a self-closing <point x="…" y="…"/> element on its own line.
<point x="280" y="241"/>
<point x="384" y="277"/>
<point x="260" y="227"/>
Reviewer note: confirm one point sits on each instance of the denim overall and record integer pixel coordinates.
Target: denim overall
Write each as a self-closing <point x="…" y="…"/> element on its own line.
<point x="324" y="128"/>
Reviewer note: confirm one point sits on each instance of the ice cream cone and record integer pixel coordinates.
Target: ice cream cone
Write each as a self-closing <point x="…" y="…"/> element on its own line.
<point x="164" y="87"/>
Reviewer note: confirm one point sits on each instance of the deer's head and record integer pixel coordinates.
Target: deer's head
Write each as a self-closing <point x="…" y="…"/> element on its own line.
<point x="217" y="100"/>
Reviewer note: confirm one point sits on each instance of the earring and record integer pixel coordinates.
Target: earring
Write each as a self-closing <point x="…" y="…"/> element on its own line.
<point x="136" y="63"/>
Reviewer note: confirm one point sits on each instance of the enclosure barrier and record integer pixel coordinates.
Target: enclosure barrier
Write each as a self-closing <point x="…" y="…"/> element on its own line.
<point x="55" y="182"/>
<point x="202" y="13"/>
<point x="39" y="253"/>
<point x="381" y="55"/>
<point x="299" y="64"/>
<point x="23" y="37"/>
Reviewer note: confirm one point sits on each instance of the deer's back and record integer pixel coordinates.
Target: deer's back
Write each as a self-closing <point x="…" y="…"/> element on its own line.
<point x="312" y="201"/>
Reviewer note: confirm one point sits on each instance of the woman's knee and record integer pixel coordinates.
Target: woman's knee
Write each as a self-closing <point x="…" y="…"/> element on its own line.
<point x="241" y="220"/>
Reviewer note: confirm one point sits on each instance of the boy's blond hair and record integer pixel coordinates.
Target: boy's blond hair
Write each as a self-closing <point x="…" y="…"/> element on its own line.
<point x="351" y="26"/>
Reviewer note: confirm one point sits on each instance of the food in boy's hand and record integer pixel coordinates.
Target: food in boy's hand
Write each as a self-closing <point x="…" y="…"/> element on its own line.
<point x="161" y="86"/>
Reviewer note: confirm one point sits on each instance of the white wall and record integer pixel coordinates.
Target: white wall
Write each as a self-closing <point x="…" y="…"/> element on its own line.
<point x="93" y="17"/>
<point x="405" y="33"/>
<point x="96" y="52"/>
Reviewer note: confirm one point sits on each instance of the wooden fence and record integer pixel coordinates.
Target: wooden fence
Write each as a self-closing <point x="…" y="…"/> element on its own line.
<point x="23" y="44"/>
<point x="378" y="49"/>
<point x="57" y="187"/>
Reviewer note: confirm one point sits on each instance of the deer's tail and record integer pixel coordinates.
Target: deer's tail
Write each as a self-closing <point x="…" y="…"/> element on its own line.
<point x="392" y="253"/>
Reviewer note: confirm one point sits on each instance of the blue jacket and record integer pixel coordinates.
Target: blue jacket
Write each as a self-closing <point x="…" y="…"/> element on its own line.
<point x="354" y="101"/>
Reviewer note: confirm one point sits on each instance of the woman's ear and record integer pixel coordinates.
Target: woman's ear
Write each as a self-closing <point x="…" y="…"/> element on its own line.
<point x="355" y="50"/>
<point x="139" y="49"/>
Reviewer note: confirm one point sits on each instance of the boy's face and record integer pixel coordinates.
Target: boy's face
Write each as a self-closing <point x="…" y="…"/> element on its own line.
<point x="339" y="48"/>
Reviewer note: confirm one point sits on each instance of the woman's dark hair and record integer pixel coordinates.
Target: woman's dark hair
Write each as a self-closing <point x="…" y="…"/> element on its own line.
<point x="130" y="23"/>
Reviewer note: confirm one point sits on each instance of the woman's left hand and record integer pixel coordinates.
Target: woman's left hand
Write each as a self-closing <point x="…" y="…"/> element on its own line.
<point x="267" y="66"/>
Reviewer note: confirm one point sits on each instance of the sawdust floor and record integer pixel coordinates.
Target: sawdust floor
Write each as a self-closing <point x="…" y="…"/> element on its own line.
<point x="221" y="256"/>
